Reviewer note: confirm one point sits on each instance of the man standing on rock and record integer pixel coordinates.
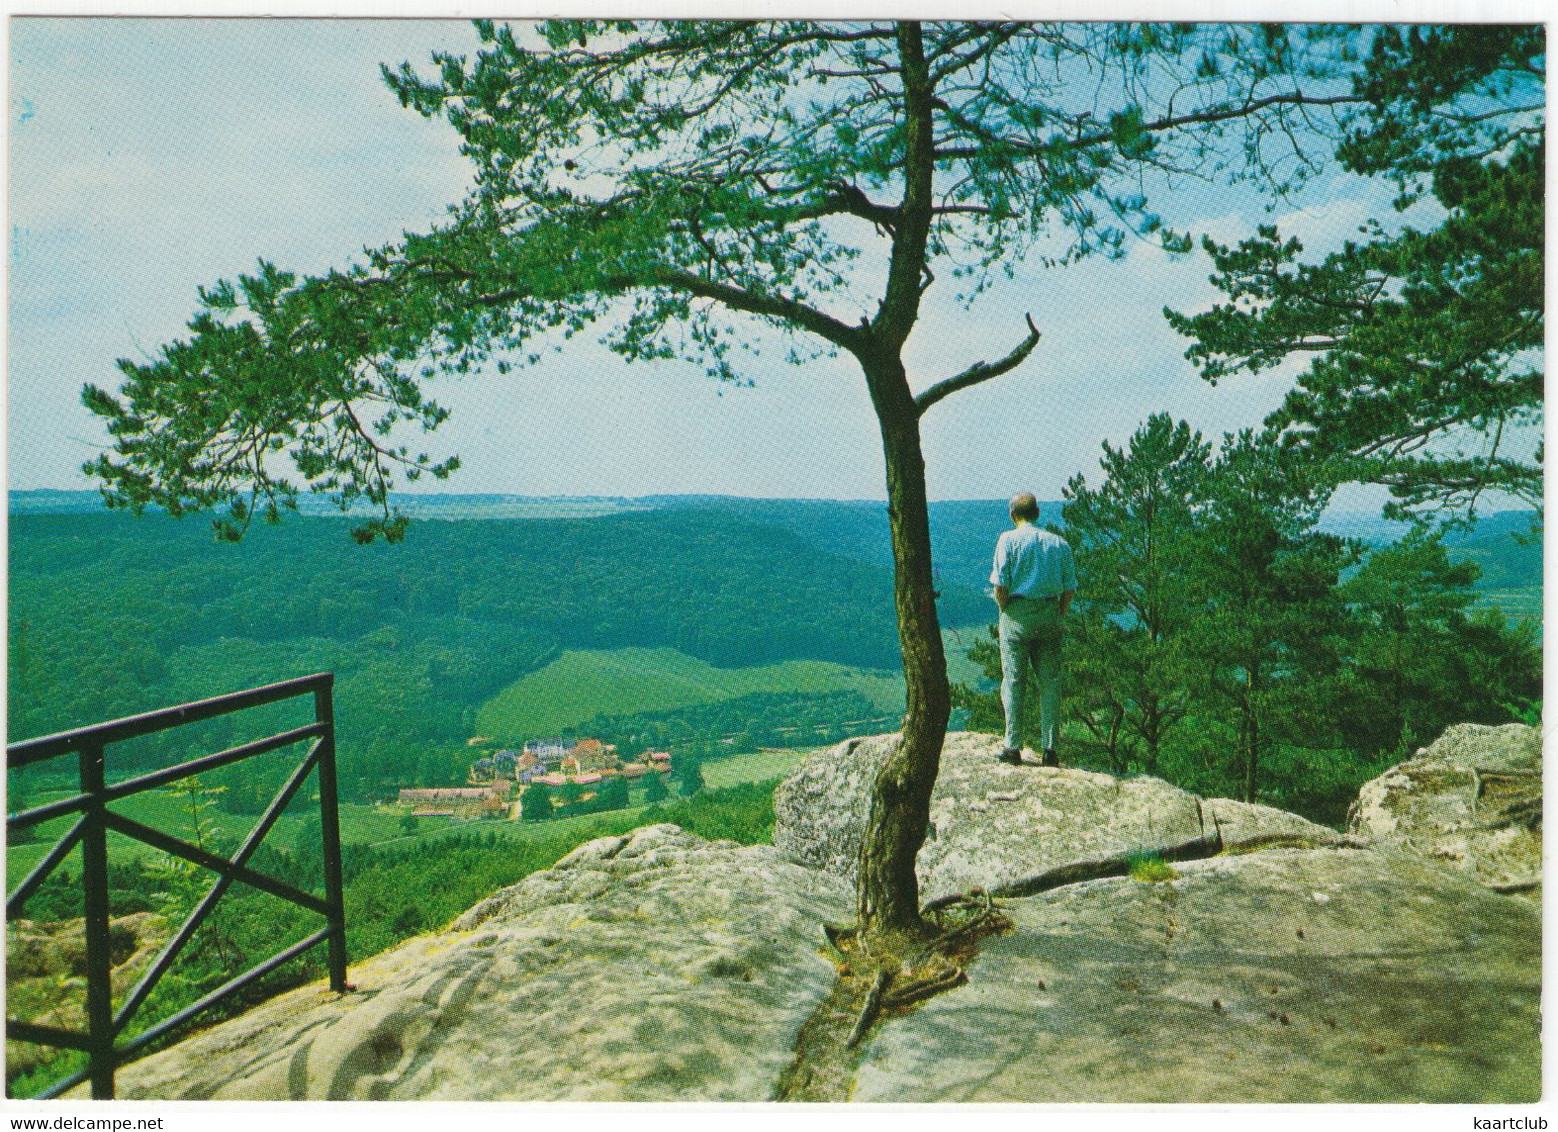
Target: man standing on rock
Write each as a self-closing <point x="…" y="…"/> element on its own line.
<point x="1034" y="579"/>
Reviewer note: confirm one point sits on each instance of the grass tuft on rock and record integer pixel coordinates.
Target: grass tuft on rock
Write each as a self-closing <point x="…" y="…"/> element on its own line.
<point x="1149" y="868"/>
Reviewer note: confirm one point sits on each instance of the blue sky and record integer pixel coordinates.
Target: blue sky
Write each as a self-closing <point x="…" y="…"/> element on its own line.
<point x="152" y="156"/>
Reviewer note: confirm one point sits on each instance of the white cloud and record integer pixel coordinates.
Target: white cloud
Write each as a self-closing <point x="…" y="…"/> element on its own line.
<point x="1325" y="226"/>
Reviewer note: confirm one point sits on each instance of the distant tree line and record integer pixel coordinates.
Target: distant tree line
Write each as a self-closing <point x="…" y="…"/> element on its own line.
<point x="1220" y="640"/>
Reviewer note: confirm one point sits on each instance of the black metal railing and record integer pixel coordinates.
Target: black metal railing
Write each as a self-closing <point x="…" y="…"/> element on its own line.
<point x="105" y="1025"/>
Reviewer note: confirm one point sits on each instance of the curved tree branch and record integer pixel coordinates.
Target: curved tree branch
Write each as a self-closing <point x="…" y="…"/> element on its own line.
<point x="770" y="306"/>
<point x="1209" y="116"/>
<point x="980" y="371"/>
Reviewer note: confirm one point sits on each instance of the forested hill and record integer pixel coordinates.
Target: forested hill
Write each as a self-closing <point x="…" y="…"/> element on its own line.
<point x="963" y="532"/>
<point x="111" y="615"/>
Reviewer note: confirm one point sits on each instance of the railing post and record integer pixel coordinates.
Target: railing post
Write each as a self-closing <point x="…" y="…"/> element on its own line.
<point x="330" y="821"/>
<point x="94" y="879"/>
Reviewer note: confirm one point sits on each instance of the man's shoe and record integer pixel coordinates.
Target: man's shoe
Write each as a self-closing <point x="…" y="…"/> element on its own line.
<point x="1010" y="755"/>
<point x="1050" y="758"/>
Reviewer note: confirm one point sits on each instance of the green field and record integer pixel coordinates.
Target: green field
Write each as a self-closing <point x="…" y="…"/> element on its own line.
<point x="580" y="684"/>
<point x="758" y="767"/>
<point x="170" y="814"/>
<point x="360" y="824"/>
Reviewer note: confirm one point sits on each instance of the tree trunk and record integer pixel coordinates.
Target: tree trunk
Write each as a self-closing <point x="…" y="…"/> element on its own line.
<point x="1252" y="725"/>
<point x="1151" y="732"/>
<point x="887" y="895"/>
<point x="1116" y="729"/>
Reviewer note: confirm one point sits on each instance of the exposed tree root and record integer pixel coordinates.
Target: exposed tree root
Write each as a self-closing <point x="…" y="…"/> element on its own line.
<point x="1295" y="841"/>
<point x="980" y="915"/>
<point x="1078" y="871"/>
<point x="874" y="981"/>
<point x="869" y="1012"/>
<point x="925" y="987"/>
<point x="938" y="965"/>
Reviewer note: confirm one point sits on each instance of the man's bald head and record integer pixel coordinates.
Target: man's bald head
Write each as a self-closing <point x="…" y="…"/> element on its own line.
<point x="1024" y="506"/>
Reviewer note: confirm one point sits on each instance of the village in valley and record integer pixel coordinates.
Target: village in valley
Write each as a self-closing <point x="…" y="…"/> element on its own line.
<point x="623" y="761"/>
<point x="554" y="772"/>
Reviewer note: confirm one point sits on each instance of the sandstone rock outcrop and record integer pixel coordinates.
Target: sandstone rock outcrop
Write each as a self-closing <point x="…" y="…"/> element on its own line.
<point x="993" y="824"/>
<point x="1284" y="975"/>
<point x="1472" y="800"/>
<point x="1304" y="966"/>
<point x="654" y="966"/>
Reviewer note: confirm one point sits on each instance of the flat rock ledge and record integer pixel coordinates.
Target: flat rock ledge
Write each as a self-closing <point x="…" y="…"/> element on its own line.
<point x="993" y="824"/>
<point x="1284" y="975"/>
<point x="1471" y="801"/>
<point x="652" y="966"/>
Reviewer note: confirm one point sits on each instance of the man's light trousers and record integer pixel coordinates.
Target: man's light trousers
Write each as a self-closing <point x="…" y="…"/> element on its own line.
<point x="1032" y="633"/>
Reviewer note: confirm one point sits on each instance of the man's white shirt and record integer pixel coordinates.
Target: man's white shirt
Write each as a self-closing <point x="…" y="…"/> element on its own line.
<point x="1032" y="562"/>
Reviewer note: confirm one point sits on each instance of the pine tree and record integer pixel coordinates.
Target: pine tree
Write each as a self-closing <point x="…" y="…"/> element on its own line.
<point x="613" y="793"/>
<point x="1135" y="537"/>
<point x="1420" y="660"/>
<point x="687" y="183"/>
<point x="1426" y="343"/>
<point x="1268" y="623"/>
<point x="689" y="770"/>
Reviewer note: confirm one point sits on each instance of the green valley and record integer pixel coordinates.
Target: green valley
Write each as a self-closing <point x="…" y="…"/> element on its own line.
<point x="632" y="609"/>
<point x="583" y="683"/>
